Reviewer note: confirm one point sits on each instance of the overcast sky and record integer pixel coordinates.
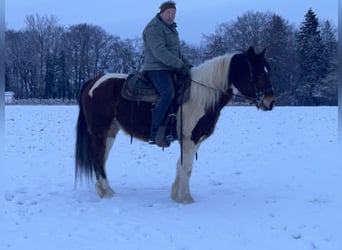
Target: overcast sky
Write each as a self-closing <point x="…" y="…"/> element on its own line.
<point x="127" y="18"/>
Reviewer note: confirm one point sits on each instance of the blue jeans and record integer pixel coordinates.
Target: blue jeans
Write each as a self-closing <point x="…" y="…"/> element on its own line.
<point x="163" y="82"/>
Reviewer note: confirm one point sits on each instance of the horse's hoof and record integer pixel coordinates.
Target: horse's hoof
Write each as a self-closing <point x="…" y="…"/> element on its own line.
<point x="103" y="189"/>
<point x="184" y="200"/>
<point x="187" y="201"/>
<point x="108" y="193"/>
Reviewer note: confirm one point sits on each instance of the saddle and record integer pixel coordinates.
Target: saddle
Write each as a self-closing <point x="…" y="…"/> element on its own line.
<point x="138" y="87"/>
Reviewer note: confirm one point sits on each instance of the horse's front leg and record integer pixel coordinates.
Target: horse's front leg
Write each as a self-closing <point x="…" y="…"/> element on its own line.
<point x="181" y="187"/>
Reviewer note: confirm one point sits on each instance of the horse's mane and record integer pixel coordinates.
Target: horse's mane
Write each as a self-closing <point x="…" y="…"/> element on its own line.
<point x="213" y="74"/>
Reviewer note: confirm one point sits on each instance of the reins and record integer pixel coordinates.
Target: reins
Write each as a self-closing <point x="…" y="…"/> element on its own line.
<point x="203" y="85"/>
<point x="211" y="88"/>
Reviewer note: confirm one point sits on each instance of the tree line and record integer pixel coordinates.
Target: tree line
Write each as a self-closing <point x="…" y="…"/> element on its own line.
<point x="47" y="60"/>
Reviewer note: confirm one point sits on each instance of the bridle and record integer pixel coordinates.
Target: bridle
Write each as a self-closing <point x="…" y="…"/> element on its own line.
<point x="260" y="93"/>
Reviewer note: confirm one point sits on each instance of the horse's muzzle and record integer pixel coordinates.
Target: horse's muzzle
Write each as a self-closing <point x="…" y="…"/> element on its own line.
<point x="266" y="103"/>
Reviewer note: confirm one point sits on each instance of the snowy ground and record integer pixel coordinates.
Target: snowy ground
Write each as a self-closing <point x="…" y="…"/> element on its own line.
<point x="264" y="180"/>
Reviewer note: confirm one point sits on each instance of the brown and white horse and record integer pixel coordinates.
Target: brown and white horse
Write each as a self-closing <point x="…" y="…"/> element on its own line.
<point x="103" y="112"/>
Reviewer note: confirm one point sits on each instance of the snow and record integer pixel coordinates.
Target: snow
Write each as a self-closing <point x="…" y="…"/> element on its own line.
<point x="264" y="180"/>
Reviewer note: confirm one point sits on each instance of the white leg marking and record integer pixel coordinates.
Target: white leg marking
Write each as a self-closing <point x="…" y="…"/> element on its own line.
<point x="109" y="145"/>
<point x="103" y="188"/>
<point x="181" y="187"/>
<point x="180" y="192"/>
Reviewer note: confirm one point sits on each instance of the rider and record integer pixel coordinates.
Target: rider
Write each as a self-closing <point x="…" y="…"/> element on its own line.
<point x="162" y="58"/>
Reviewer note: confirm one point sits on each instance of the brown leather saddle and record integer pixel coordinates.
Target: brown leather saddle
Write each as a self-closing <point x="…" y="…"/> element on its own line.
<point x="138" y="87"/>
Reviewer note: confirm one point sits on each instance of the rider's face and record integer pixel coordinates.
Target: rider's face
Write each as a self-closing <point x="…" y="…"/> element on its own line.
<point x="168" y="15"/>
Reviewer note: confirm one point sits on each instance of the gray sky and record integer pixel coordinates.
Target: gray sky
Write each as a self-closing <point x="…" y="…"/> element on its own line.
<point x="127" y="18"/>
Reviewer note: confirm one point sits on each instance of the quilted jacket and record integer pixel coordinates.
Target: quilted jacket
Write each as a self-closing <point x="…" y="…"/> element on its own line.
<point x="161" y="46"/>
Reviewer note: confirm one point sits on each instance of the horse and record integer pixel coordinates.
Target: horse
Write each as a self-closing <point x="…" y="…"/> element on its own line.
<point x="103" y="112"/>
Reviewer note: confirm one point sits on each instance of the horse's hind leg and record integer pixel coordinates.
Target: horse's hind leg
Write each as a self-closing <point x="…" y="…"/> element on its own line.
<point x="102" y="146"/>
<point x="114" y="129"/>
<point x="102" y="186"/>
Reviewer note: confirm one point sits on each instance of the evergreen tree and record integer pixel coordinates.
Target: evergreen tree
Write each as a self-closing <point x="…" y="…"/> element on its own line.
<point x="327" y="90"/>
<point x="281" y="56"/>
<point x="312" y="62"/>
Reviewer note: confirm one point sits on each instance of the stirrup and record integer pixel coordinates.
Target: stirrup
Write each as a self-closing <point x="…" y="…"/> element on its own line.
<point x="170" y="138"/>
<point x="172" y="117"/>
<point x="151" y="141"/>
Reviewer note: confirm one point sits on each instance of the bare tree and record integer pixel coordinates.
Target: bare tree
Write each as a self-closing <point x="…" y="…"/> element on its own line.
<point x="21" y="63"/>
<point x="44" y="35"/>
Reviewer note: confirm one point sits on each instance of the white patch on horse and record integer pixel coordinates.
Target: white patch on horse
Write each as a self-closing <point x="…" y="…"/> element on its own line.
<point x="213" y="74"/>
<point x="105" y="78"/>
<point x="109" y="145"/>
<point x="236" y="91"/>
<point x="103" y="188"/>
<point x="180" y="191"/>
<point x="266" y="70"/>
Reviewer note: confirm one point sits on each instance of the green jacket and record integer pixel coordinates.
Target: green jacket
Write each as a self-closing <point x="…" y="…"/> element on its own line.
<point x="161" y="46"/>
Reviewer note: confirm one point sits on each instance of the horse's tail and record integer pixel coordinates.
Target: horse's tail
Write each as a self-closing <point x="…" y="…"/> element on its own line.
<point x="84" y="156"/>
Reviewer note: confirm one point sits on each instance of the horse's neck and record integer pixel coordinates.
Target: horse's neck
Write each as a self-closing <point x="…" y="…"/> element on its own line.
<point x="213" y="73"/>
<point x="239" y="70"/>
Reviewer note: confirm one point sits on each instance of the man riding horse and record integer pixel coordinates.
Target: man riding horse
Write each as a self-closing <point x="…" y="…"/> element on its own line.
<point x="162" y="59"/>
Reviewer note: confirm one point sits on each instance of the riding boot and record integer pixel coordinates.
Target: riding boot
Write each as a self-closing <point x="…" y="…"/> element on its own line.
<point x="171" y="133"/>
<point x="157" y="118"/>
<point x="153" y="135"/>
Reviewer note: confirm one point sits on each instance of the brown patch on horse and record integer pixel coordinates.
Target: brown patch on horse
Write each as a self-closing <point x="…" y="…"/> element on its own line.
<point x="107" y="103"/>
<point x="206" y="124"/>
<point x="100" y="108"/>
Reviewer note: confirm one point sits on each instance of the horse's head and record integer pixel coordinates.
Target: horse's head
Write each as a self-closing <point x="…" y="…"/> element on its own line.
<point x="250" y="76"/>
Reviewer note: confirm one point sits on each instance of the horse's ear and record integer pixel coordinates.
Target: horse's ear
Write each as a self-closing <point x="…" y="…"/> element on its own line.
<point x="251" y="51"/>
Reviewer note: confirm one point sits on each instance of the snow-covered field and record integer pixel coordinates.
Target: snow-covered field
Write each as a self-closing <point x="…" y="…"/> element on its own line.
<point x="264" y="180"/>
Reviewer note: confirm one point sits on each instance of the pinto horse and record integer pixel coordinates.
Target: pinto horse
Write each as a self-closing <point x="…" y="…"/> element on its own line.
<point x="103" y="112"/>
